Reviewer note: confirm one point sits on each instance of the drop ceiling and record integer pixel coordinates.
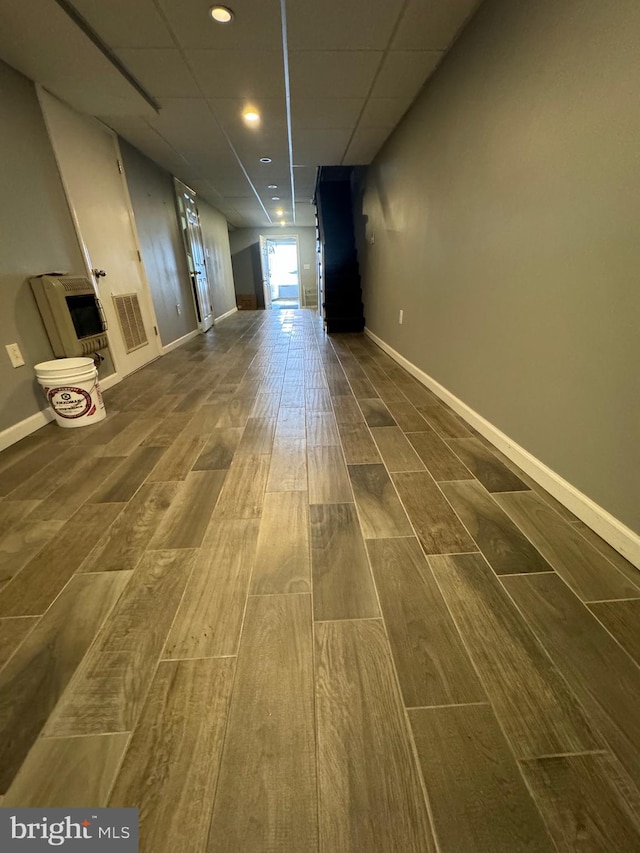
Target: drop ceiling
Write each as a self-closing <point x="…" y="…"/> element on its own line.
<point x="355" y="66"/>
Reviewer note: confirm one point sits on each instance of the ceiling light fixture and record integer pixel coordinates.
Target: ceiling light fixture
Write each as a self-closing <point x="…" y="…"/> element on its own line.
<point x="265" y="159"/>
<point x="272" y="187"/>
<point x="221" y="14"/>
<point x="275" y="198"/>
<point x="279" y="212"/>
<point x="251" y="116"/>
<point x="282" y="222"/>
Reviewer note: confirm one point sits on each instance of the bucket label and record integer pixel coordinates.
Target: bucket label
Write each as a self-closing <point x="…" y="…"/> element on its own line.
<point x="70" y="402"/>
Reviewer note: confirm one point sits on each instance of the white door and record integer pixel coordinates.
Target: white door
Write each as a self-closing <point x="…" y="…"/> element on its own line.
<point x="194" y="247"/>
<point x="89" y="162"/>
<point x="266" y="276"/>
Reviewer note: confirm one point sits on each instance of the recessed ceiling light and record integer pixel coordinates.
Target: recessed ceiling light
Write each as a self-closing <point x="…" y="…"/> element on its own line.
<point x="251" y="116"/>
<point x="282" y="222"/>
<point x="221" y="14"/>
<point x="272" y="187"/>
<point x="265" y="159"/>
<point x="279" y="212"/>
<point x="275" y="198"/>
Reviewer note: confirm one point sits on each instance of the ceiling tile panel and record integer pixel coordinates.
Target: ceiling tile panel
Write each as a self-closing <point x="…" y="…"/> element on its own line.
<point x="404" y="72"/>
<point x="432" y="25"/>
<point x="136" y="131"/>
<point x="126" y="23"/>
<point x="336" y="24"/>
<point x="323" y="113"/>
<point x="323" y="73"/>
<point x="305" y="215"/>
<point x="238" y="73"/>
<point x="162" y="71"/>
<point x="256" y="25"/>
<point x="365" y="145"/>
<point x="229" y="113"/>
<point x="383" y="112"/>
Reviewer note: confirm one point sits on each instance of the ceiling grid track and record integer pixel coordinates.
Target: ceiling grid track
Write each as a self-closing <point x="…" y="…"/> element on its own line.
<point x="287" y="94"/>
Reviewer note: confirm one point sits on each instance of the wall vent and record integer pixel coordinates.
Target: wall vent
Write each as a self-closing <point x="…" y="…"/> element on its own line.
<point x="130" y="319"/>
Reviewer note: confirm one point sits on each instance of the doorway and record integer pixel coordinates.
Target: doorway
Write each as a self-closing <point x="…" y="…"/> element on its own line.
<point x="89" y="163"/>
<point x="194" y="248"/>
<point x="281" y="271"/>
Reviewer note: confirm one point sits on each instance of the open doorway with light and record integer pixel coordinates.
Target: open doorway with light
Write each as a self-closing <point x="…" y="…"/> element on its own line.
<point x="280" y="271"/>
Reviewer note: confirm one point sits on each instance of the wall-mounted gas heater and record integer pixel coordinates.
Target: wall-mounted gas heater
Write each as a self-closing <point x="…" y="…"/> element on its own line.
<point x="72" y="314"/>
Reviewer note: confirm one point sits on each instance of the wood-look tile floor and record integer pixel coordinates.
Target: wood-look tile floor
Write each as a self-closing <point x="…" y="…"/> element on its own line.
<point x="283" y="599"/>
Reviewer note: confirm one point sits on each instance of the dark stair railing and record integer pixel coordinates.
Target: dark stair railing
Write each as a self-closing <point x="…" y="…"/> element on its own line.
<point x="342" y="293"/>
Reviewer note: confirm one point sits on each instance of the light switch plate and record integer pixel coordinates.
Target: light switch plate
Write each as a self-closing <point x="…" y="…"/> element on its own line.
<point x="15" y="355"/>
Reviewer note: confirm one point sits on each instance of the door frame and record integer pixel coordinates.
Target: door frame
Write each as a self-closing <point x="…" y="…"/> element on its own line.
<point x="264" y="261"/>
<point x="155" y="343"/>
<point x="177" y="186"/>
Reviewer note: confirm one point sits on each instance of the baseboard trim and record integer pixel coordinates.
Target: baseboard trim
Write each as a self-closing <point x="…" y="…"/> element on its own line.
<point x="611" y="529"/>
<point x="109" y="381"/>
<point x="24" y="428"/>
<point x="226" y="314"/>
<point x="179" y="341"/>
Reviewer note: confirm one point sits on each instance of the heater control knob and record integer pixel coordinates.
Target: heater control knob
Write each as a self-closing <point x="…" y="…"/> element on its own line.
<point x="99" y="273"/>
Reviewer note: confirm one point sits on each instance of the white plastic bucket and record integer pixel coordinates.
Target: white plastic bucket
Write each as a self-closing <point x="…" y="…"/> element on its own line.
<point x="72" y="390"/>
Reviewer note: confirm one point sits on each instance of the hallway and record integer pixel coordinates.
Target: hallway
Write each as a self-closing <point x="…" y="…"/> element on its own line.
<point x="283" y="599"/>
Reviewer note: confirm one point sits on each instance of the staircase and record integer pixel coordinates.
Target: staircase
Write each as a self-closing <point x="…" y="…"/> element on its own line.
<point x="342" y="294"/>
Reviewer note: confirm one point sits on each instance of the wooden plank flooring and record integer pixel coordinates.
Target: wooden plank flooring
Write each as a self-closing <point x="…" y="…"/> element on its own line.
<point x="283" y="597"/>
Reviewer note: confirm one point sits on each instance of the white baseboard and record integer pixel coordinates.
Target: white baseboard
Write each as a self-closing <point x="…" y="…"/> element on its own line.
<point x="613" y="531"/>
<point x="110" y="381"/>
<point x="179" y="341"/>
<point x="24" y="428"/>
<point x="227" y="314"/>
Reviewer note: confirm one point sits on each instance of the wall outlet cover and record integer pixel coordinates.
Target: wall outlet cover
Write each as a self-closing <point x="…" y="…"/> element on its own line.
<point x="15" y="355"/>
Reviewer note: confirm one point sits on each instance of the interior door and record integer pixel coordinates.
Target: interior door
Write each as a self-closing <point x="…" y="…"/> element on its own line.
<point x="266" y="277"/>
<point x="89" y="162"/>
<point x="194" y="247"/>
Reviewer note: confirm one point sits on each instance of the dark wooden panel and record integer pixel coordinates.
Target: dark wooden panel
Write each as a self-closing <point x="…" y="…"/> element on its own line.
<point x="358" y="444"/>
<point x="537" y="711"/>
<point x="32" y="591"/>
<point x="376" y="414"/>
<point x="124" y="543"/>
<point x="493" y="475"/>
<point x="622" y="619"/>
<point x="586" y="571"/>
<point x="186" y="521"/>
<point x="68" y="772"/>
<point x="171" y="766"/>
<point x="504" y="546"/>
<point x="342" y="582"/>
<point x="478" y="798"/>
<point x="209" y="618"/>
<point x="127" y="479"/>
<point x="36" y="676"/>
<point x="441" y="462"/>
<point x="111" y="684"/>
<point x="266" y="793"/>
<point x="601" y="674"/>
<point x="445" y="422"/>
<point x="381" y="513"/>
<point x="243" y="491"/>
<point x="370" y="794"/>
<point x="328" y="478"/>
<point x="438" y="527"/>
<point x="396" y="451"/>
<point x="12" y="633"/>
<point x="407" y="416"/>
<point x="283" y="557"/>
<point x="583" y="801"/>
<point x="288" y="467"/>
<point x="433" y="666"/>
<point x="218" y="452"/>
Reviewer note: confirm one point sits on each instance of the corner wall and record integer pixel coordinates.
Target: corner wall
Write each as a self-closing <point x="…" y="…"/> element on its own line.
<point x="36" y="236"/>
<point x="506" y="214"/>
<point x="153" y="201"/>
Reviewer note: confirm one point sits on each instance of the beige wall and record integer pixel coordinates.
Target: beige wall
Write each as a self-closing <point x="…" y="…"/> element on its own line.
<point x="506" y="213"/>
<point x="242" y="238"/>
<point x="36" y="236"/>
<point x="215" y="232"/>
<point x="153" y="200"/>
